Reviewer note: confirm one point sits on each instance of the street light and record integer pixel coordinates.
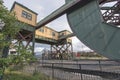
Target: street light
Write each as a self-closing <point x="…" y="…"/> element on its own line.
<point x="2" y="24"/>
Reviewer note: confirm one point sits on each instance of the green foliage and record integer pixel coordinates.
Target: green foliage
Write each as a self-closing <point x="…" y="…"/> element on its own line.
<point x="24" y="55"/>
<point x="3" y="63"/>
<point x="10" y="29"/>
<point x="10" y="20"/>
<point x="23" y="76"/>
<point x="12" y="26"/>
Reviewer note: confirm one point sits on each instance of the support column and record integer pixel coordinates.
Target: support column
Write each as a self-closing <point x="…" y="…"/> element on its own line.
<point x="33" y="42"/>
<point x="63" y="51"/>
<point x="51" y="51"/>
<point x="72" y="51"/>
<point x="29" y="37"/>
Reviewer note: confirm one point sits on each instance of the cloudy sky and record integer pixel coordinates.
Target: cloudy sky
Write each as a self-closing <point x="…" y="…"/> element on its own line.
<point x="44" y="8"/>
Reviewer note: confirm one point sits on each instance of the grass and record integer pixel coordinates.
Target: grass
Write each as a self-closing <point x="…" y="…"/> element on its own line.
<point x="14" y="75"/>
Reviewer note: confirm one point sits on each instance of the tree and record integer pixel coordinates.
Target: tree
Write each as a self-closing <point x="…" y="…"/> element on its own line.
<point x="10" y="29"/>
<point x="7" y="34"/>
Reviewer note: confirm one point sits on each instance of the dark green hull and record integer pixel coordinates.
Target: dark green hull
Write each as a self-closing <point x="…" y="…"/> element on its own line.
<point x="88" y="25"/>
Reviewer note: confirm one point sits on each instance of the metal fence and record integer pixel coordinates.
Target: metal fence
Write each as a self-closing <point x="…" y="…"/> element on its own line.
<point x="81" y="70"/>
<point x="77" y="70"/>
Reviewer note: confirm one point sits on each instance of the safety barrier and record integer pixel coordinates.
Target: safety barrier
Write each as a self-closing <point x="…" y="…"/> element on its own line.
<point x="81" y="70"/>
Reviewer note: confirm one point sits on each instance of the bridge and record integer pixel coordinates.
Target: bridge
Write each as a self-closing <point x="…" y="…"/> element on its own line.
<point x="59" y="40"/>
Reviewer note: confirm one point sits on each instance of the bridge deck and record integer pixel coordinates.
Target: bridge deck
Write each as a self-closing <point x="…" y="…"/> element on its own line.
<point x="46" y="37"/>
<point x="46" y="40"/>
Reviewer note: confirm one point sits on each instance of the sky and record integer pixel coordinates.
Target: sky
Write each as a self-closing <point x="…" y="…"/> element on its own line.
<point x="44" y="8"/>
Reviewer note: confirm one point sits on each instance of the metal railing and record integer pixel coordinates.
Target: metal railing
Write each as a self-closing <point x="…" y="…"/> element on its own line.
<point x="76" y="70"/>
<point x="81" y="70"/>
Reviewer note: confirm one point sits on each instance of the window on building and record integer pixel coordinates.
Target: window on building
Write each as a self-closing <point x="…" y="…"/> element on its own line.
<point x="62" y="34"/>
<point x="26" y="15"/>
<point x="42" y="30"/>
<point x="29" y="16"/>
<point x="53" y="33"/>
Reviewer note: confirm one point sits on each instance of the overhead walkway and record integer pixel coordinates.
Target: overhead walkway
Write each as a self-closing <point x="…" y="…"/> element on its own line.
<point x="45" y="40"/>
<point x="60" y="42"/>
<point x="66" y="36"/>
<point x="51" y="40"/>
<point x="29" y="33"/>
<point x="41" y="39"/>
<point x="27" y="29"/>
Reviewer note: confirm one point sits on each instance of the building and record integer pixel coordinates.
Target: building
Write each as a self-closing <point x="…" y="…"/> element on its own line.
<point x="50" y="33"/>
<point x="44" y="34"/>
<point x="47" y="32"/>
<point x="24" y="14"/>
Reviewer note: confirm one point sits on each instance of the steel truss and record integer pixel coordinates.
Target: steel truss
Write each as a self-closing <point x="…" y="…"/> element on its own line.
<point x="62" y="51"/>
<point x="25" y="39"/>
<point x="112" y="14"/>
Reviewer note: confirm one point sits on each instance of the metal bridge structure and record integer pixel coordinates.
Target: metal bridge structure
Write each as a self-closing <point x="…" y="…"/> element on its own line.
<point x="28" y="34"/>
<point x="60" y="46"/>
<point x="93" y="23"/>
